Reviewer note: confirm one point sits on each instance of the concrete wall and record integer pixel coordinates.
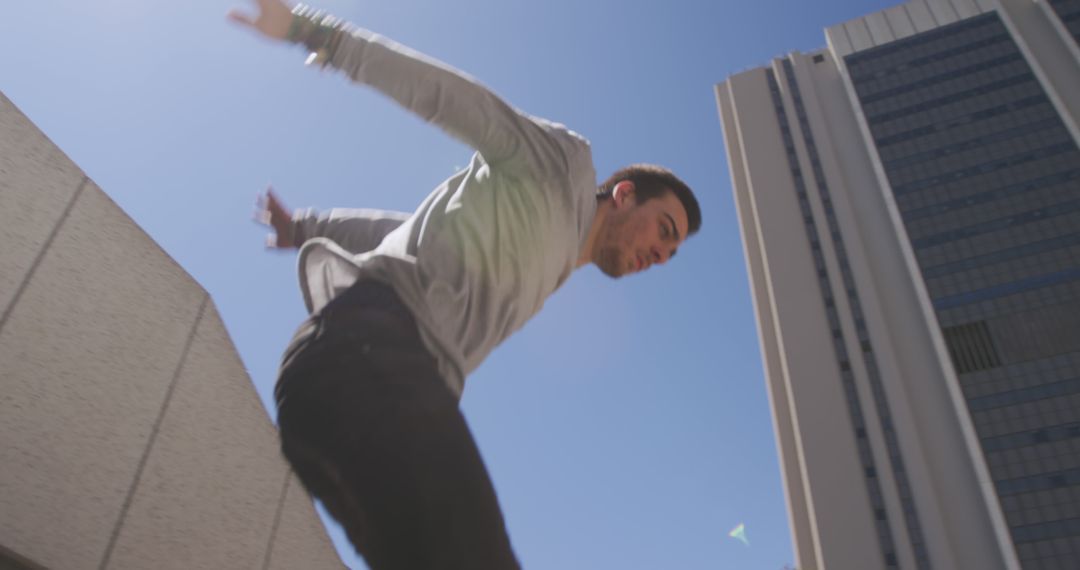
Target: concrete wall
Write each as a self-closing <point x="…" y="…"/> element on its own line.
<point x="130" y="433"/>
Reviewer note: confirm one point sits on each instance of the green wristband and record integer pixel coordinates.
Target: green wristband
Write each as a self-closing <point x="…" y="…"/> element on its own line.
<point x="318" y="31"/>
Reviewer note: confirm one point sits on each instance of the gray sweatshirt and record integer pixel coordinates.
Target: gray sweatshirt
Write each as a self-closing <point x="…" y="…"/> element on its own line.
<point x="484" y="250"/>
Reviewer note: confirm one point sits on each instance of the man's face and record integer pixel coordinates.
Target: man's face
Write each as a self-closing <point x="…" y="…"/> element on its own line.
<point x="636" y="235"/>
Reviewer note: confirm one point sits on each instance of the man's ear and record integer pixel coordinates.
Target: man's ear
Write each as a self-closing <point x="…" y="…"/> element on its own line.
<point x="623" y="194"/>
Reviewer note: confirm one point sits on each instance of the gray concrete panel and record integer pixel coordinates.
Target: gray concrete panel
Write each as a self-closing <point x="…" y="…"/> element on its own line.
<point x="879" y="28"/>
<point x="943" y="11"/>
<point x="218" y="512"/>
<point x="966" y="8"/>
<point x="987" y="5"/>
<point x="900" y="22"/>
<point x="839" y="43"/>
<point x="300" y="541"/>
<point x="86" y="359"/>
<point x="859" y="34"/>
<point x="921" y="15"/>
<point x="37" y="182"/>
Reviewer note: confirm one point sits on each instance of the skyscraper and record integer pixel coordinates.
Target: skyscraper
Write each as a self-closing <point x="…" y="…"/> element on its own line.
<point x="909" y="200"/>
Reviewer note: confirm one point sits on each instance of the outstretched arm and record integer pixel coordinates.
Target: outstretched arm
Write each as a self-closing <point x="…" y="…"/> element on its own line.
<point x="356" y="230"/>
<point x="432" y="90"/>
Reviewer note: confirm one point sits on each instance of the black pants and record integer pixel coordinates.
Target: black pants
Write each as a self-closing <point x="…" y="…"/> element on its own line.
<point x="372" y="431"/>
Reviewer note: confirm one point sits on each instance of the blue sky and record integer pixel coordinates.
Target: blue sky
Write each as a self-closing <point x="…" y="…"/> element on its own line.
<point x="627" y="426"/>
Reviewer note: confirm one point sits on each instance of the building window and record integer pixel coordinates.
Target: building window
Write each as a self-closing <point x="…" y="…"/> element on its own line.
<point x="971" y="347"/>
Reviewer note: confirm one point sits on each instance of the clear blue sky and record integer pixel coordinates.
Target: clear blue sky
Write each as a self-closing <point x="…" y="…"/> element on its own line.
<point x="627" y="426"/>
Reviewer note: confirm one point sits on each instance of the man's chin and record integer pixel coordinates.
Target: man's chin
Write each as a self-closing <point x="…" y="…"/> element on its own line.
<point x="612" y="265"/>
<point x="613" y="272"/>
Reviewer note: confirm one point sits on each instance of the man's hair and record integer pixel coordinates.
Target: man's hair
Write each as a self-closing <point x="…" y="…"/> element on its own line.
<point x="652" y="181"/>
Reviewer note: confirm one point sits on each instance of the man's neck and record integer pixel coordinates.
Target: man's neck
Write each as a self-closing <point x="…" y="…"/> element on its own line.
<point x="587" y="254"/>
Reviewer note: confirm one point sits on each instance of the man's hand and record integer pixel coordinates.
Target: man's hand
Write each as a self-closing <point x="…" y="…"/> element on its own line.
<point x="271" y="212"/>
<point x="272" y="20"/>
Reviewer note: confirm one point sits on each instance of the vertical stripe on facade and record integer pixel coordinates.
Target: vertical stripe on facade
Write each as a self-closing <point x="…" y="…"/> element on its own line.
<point x="873" y="484"/>
<point x="903" y="487"/>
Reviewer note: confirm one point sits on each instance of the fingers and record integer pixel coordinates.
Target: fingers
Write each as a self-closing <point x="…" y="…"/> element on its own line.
<point x="238" y="17"/>
<point x="269" y="211"/>
<point x="272" y="19"/>
<point x="273" y="202"/>
<point x="275" y="207"/>
<point x="278" y="212"/>
<point x="261" y="214"/>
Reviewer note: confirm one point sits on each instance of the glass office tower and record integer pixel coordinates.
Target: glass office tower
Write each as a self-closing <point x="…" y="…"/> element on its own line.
<point x="909" y="199"/>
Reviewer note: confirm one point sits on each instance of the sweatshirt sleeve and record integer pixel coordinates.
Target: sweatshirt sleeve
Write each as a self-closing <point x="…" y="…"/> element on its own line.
<point x="453" y="101"/>
<point x="356" y="230"/>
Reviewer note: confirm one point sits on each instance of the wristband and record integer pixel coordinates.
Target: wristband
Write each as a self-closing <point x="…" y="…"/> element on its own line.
<point x="316" y="30"/>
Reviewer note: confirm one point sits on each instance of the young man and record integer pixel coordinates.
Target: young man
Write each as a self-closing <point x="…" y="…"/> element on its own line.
<point x="405" y="306"/>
